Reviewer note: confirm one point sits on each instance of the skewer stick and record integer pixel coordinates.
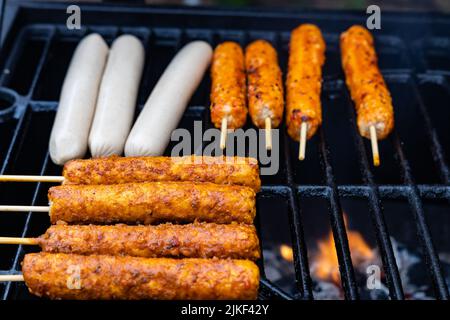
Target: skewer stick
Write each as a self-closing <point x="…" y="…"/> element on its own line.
<point x="20" y="178"/>
<point x="374" y="141"/>
<point x="268" y="134"/>
<point x="24" y="208"/>
<point x="11" y="277"/>
<point x="14" y="240"/>
<point x="302" y="149"/>
<point x="223" y="134"/>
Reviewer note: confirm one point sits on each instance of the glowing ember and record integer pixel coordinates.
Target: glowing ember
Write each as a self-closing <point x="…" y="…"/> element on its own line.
<point x="326" y="265"/>
<point x="286" y="252"/>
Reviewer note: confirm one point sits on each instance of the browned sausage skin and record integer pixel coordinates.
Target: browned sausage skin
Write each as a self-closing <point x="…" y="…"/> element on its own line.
<point x="113" y="170"/>
<point x="96" y="277"/>
<point x="265" y="85"/>
<point x="304" y="80"/>
<point x="193" y="240"/>
<point x="228" y="87"/>
<point x="369" y="92"/>
<point x="151" y="203"/>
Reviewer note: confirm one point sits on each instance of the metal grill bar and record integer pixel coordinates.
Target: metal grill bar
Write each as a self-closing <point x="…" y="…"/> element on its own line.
<point x="12" y="146"/>
<point x="42" y="60"/>
<point x="385" y="192"/>
<point x="270" y="291"/>
<point x="338" y="225"/>
<point x="301" y="264"/>
<point x="435" y="145"/>
<point x="429" y="250"/>
<point x="423" y="231"/>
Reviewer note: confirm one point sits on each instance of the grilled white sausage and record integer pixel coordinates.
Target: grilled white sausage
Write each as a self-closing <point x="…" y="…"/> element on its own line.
<point x="69" y="137"/>
<point x="117" y="97"/>
<point x="168" y="100"/>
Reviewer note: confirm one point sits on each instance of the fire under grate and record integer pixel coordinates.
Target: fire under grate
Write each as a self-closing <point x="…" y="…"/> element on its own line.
<point x="414" y="60"/>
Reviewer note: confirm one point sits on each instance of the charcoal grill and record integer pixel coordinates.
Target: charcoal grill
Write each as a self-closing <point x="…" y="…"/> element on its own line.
<point x="414" y="53"/>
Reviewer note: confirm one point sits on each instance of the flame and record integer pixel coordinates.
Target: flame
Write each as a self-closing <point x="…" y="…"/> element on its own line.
<point x="286" y="252"/>
<point x="326" y="265"/>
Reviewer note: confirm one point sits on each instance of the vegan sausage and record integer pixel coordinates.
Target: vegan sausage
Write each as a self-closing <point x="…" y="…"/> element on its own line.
<point x="228" y="86"/>
<point x="373" y="102"/>
<point x="265" y="85"/>
<point x="97" y="277"/>
<point x="304" y="80"/>
<point x="112" y="170"/>
<point x="193" y="240"/>
<point x="151" y="202"/>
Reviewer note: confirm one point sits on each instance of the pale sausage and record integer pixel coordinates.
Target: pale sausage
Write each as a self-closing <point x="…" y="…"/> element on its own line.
<point x="117" y="97"/>
<point x="69" y="137"/>
<point x="168" y="100"/>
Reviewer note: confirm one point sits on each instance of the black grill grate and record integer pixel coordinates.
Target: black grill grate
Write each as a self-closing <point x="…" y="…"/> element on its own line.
<point x="413" y="52"/>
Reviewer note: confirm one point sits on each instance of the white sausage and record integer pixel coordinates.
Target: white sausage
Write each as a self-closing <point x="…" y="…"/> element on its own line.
<point x="69" y="137"/>
<point x="168" y="100"/>
<point x="117" y="97"/>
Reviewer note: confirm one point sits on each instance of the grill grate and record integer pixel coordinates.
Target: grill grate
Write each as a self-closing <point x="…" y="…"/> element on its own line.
<point x="413" y="52"/>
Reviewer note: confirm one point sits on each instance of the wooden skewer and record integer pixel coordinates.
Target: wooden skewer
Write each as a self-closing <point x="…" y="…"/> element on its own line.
<point x="374" y="141"/>
<point x="302" y="149"/>
<point x="223" y="134"/>
<point x="268" y="134"/>
<point x="14" y="240"/>
<point x="11" y="277"/>
<point x="24" y="208"/>
<point x="20" y="178"/>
